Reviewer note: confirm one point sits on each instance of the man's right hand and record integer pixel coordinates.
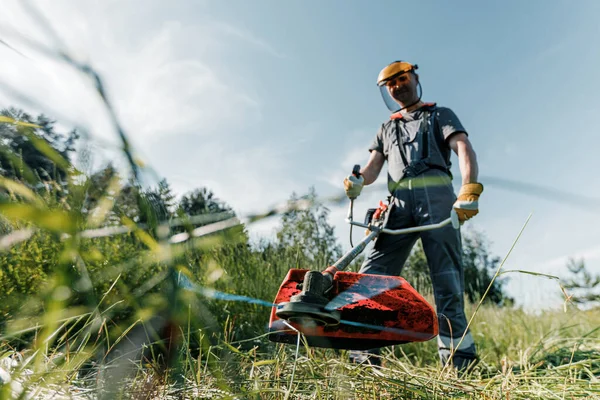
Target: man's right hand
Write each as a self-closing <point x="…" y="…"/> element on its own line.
<point x="353" y="186"/>
<point x="467" y="203"/>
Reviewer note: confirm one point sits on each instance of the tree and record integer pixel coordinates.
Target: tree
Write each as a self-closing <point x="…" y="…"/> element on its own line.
<point x="106" y="183"/>
<point x="96" y="186"/>
<point x="25" y="152"/>
<point x="148" y="207"/>
<point x="584" y="286"/>
<point x="157" y="205"/>
<point x="201" y="201"/>
<point x="308" y="234"/>
<point x="479" y="268"/>
<point x="167" y="197"/>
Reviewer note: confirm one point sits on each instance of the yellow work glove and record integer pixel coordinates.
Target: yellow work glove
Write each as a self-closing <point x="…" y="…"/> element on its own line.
<point x="467" y="203"/>
<point x="353" y="186"/>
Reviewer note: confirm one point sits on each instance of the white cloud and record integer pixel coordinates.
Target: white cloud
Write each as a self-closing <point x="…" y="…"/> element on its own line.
<point x="180" y="112"/>
<point x="160" y="85"/>
<point x="246" y="37"/>
<point x="354" y="151"/>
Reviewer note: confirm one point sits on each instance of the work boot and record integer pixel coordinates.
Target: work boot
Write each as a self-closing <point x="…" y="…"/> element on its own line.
<point x="365" y="357"/>
<point x="462" y="361"/>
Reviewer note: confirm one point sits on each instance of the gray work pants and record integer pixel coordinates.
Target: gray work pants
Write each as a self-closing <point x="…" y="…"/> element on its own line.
<point x="423" y="200"/>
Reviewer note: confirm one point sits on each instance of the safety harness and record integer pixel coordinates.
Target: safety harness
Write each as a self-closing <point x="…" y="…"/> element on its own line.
<point x="423" y="162"/>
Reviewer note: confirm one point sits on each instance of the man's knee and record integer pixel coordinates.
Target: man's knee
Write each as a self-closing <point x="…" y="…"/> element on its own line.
<point x="447" y="289"/>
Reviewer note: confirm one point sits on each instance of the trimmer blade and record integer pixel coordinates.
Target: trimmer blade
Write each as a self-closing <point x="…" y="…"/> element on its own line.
<point x="307" y="314"/>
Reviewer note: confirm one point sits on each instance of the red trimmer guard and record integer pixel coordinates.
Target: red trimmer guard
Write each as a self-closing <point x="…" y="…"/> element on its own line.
<point x="376" y="311"/>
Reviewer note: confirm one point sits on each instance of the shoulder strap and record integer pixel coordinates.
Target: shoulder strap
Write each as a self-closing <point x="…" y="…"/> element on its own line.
<point x="427" y="116"/>
<point x="400" y="143"/>
<point x="439" y="138"/>
<point x="426" y="132"/>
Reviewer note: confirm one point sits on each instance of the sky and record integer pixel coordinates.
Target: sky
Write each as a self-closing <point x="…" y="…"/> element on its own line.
<point x="256" y="100"/>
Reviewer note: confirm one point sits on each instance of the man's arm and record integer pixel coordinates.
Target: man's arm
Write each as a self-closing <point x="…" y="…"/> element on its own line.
<point x="467" y="159"/>
<point x="371" y="171"/>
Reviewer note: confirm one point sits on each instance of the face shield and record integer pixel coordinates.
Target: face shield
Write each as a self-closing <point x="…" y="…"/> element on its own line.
<point x="399" y="86"/>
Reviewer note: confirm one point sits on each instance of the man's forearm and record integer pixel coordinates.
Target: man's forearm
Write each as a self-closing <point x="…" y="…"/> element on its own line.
<point x="371" y="171"/>
<point x="467" y="161"/>
<point x="369" y="174"/>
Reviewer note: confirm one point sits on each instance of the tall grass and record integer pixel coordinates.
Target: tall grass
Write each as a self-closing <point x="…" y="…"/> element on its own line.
<point x="137" y="332"/>
<point x="555" y="355"/>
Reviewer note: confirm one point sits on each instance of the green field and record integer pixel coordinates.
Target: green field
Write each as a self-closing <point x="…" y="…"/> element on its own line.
<point x="107" y="317"/>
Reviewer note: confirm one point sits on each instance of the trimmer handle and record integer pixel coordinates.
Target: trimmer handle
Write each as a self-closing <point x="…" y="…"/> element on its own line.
<point x="356" y="173"/>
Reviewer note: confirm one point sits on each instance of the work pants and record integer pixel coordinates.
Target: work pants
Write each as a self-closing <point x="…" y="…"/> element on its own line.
<point x="423" y="200"/>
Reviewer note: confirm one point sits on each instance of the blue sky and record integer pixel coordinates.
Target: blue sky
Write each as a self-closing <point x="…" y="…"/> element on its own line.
<point x="259" y="99"/>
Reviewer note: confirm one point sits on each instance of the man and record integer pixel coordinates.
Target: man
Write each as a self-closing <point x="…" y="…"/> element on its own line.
<point x="417" y="142"/>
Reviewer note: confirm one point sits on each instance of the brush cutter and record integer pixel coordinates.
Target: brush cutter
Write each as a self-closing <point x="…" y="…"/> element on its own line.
<point x="347" y="310"/>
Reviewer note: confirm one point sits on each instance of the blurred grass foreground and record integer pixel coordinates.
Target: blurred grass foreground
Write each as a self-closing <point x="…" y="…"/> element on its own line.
<point x="112" y="290"/>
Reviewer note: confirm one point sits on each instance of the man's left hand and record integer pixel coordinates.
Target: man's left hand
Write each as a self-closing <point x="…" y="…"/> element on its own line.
<point x="467" y="203"/>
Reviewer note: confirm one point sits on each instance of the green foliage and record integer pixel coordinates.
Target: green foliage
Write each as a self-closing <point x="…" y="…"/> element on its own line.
<point x="480" y="266"/>
<point x="201" y="201"/>
<point x="306" y="236"/>
<point x="34" y="154"/>
<point x="98" y="187"/>
<point x="157" y="204"/>
<point x="24" y="269"/>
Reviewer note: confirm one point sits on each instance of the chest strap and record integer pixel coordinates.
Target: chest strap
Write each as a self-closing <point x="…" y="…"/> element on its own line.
<point x="422" y="164"/>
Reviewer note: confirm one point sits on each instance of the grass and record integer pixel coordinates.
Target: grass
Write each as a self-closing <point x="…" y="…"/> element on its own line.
<point x="523" y="356"/>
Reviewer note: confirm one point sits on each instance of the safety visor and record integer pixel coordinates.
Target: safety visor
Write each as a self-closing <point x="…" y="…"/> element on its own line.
<point x="397" y="73"/>
<point x="392" y="104"/>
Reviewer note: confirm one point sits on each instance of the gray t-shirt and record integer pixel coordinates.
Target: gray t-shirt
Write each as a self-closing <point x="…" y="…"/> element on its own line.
<point x="412" y="128"/>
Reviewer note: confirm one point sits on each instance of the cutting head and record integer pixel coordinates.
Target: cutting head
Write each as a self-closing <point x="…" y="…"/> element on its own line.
<point x="309" y="307"/>
<point x="308" y="314"/>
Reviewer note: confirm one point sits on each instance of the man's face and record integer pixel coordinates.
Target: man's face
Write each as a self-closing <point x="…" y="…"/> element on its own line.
<point x="403" y="88"/>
